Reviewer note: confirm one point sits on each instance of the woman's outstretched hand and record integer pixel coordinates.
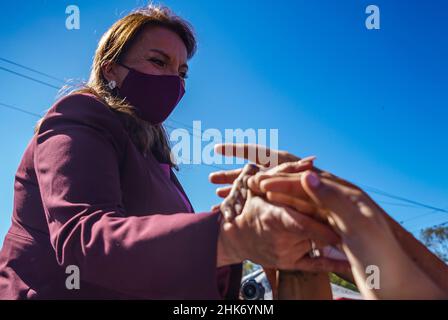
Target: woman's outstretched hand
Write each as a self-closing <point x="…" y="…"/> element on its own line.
<point x="239" y="191"/>
<point x="284" y="163"/>
<point x="255" y="153"/>
<point x="271" y="235"/>
<point x="251" y="152"/>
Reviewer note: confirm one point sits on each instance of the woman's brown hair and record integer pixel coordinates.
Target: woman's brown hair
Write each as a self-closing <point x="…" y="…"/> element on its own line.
<point x="112" y="47"/>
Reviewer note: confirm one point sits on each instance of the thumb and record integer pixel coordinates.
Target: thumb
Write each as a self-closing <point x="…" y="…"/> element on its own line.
<point x="330" y="195"/>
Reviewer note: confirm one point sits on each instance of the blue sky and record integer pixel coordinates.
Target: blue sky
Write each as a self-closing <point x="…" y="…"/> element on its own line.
<point x="371" y="104"/>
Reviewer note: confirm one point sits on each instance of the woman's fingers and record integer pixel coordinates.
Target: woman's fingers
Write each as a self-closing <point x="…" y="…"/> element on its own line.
<point x="309" y="228"/>
<point x="281" y="170"/>
<point x="296" y="203"/>
<point x="307" y="207"/>
<point x="224" y="177"/>
<point x="229" y="177"/>
<point x="231" y="206"/>
<point x="289" y="184"/>
<point x="236" y="197"/>
<point x="258" y="154"/>
<point x="223" y="192"/>
<point x="288" y="255"/>
<point x="305" y="263"/>
<point x="255" y="181"/>
<point x="293" y="167"/>
<point x="249" y="152"/>
<point x="303" y="247"/>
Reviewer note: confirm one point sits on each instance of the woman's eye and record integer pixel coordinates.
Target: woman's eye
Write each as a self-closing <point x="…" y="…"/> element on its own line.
<point x="158" y="62"/>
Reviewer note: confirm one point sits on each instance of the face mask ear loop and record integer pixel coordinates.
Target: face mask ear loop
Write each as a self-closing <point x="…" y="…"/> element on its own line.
<point x="124" y="66"/>
<point x="115" y="90"/>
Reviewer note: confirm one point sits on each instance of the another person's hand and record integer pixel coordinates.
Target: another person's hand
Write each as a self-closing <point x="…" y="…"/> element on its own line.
<point x="367" y="238"/>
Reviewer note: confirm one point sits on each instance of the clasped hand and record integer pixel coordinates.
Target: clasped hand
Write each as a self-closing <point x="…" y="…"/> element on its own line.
<point x="274" y="216"/>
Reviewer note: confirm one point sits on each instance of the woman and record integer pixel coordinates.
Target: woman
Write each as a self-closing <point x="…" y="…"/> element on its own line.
<point x="369" y="236"/>
<point x="95" y="192"/>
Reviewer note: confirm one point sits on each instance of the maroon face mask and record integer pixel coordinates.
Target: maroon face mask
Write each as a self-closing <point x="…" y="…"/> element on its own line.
<point x="153" y="96"/>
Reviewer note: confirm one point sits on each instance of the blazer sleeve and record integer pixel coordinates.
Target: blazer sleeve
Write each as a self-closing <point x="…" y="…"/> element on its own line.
<point x="77" y="158"/>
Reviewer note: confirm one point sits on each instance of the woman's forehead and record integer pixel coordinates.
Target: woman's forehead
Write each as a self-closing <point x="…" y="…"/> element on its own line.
<point x="162" y="39"/>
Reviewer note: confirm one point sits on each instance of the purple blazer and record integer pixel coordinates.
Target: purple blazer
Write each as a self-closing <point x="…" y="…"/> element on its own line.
<point x="85" y="196"/>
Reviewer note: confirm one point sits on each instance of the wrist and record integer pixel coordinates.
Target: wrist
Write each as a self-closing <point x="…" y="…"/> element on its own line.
<point x="365" y="225"/>
<point x="227" y="248"/>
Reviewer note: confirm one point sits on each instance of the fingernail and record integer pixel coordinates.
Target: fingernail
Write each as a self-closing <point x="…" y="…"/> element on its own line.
<point x="308" y="159"/>
<point x="312" y="180"/>
<point x="238" y="208"/>
<point x="227" y="215"/>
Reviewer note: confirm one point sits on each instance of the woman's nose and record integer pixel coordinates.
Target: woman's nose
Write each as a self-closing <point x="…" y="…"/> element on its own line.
<point x="172" y="71"/>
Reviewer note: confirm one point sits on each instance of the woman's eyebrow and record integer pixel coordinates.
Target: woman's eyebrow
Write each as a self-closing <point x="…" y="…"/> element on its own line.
<point x="166" y="56"/>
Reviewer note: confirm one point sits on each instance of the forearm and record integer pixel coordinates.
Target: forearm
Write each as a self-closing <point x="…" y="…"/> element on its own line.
<point x="377" y="277"/>
<point x="375" y="254"/>
<point x="298" y="285"/>
<point x="156" y="256"/>
<point x="428" y="262"/>
<point x="227" y="253"/>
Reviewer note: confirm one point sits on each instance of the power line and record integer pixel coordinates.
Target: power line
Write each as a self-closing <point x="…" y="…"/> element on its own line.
<point x="392" y="196"/>
<point x="431" y="226"/>
<point x="39" y="116"/>
<point x="185" y="125"/>
<point x="371" y="189"/>
<point x="61" y="80"/>
<point x="29" y="78"/>
<point x="174" y="128"/>
<point x="421" y="216"/>
<point x="31" y="69"/>
<point x="19" y="109"/>
<point x="406" y="205"/>
<point x="411" y="203"/>
<point x="368" y="188"/>
<point x="221" y="168"/>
